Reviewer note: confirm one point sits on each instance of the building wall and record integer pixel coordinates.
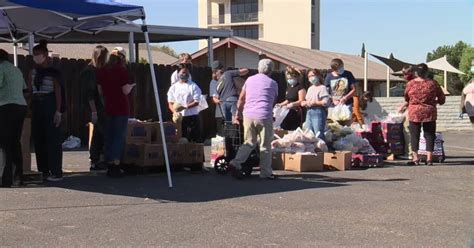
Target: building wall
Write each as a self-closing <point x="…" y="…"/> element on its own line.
<point x="245" y="58"/>
<point x="280" y="21"/>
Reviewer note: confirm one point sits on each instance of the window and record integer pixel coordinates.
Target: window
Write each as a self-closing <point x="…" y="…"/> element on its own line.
<point x="312" y="28"/>
<point x="313" y="2"/>
<point x="244" y="10"/>
<point x="246" y="31"/>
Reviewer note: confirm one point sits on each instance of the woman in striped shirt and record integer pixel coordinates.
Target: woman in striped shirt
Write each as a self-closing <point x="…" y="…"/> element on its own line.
<point x="44" y="82"/>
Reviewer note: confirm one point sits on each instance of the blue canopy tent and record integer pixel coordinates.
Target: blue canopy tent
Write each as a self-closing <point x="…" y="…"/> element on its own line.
<point x="22" y="20"/>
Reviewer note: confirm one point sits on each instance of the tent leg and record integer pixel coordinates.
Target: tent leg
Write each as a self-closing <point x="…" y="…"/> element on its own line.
<point x="15" y="54"/>
<point x="446" y="80"/>
<point x="366" y="70"/>
<point x="388" y="81"/>
<point x="131" y="48"/>
<point x="31" y="43"/>
<point x="210" y="51"/>
<point x="157" y="100"/>
<point x="137" y="52"/>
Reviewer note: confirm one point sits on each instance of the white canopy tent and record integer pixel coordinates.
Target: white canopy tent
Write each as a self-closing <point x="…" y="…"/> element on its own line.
<point x="87" y="21"/>
<point x="442" y="64"/>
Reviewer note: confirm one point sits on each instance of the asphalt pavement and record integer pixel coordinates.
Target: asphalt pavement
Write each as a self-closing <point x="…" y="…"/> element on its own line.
<point x="394" y="206"/>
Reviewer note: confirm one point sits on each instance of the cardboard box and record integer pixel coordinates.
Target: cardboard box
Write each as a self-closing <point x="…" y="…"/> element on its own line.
<point x="176" y="153"/>
<point x="131" y="153"/>
<point x="139" y="133"/>
<point x="25" y="145"/>
<point x="278" y="160"/>
<point x="151" y="155"/>
<point x="367" y="160"/>
<point x="171" y="133"/>
<point x="194" y="153"/>
<point x="304" y="162"/>
<point x="339" y="160"/>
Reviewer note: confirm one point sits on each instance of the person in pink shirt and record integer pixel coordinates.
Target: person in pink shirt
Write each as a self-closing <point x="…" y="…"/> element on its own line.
<point x="468" y="101"/>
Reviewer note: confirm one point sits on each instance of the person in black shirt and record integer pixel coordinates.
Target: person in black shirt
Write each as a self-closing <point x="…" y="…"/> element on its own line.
<point x="295" y="94"/>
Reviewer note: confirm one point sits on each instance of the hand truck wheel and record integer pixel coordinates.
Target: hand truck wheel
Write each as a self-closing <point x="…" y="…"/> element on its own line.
<point x="221" y="165"/>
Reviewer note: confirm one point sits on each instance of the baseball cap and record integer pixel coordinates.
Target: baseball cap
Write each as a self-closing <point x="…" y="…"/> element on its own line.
<point x="119" y="51"/>
<point x="216" y="65"/>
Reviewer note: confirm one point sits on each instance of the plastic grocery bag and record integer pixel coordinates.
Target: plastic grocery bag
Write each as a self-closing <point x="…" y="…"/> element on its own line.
<point x="203" y="103"/>
<point x="341" y="113"/>
<point x="72" y="142"/>
<point x="279" y="113"/>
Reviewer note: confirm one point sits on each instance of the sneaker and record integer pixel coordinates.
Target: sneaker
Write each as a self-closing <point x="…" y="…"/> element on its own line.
<point x="54" y="178"/>
<point x="271" y="177"/>
<point x="114" y="171"/>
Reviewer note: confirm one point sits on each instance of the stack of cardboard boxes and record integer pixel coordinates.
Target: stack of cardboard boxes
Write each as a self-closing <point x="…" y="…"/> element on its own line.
<point x="319" y="161"/>
<point x="144" y="146"/>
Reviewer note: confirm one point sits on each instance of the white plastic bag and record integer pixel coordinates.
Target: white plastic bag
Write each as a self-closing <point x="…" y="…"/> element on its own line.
<point x="341" y="113"/>
<point x="72" y="143"/>
<point x="279" y="113"/>
<point x="203" y="103"/>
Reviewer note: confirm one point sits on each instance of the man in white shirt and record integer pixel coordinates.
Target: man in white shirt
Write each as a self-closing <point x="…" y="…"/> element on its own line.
<point x="186" y="59"/>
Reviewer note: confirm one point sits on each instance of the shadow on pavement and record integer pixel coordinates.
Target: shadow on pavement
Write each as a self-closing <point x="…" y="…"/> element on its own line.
<point x="198" y="187"/>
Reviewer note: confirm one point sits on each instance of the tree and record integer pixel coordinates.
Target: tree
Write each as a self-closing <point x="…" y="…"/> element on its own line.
<point x="166" y="49"/>
<point x="454" y="54"/>
<point x="465" y="64"/>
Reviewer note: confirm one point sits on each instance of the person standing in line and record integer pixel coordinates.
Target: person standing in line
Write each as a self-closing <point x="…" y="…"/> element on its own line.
<point x="408" y="75"/>
<point x="256" y="103"/>
<point x="12" y="115"/>
<point x="48" y="104"/>
<point x="295" y="94"/>
<point x="215" y="99"/>
<point x="317" y="101"/>
<point x="187" y="94"/>
<point x="422" y="95"/>
<point x="94" y="99"/>
<point x="226" y="88"/>
<point x="185" y="59"/>
<point x="468" y="101"/>
<point x="341" y="84"/>
<point x="114" y="85"/>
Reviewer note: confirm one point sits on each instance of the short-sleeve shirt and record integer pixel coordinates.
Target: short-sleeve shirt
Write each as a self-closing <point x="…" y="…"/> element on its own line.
<point x="213" y="93"/>
<point x="422" y="97"/>
<point x="226" y="86"/>
<point x="12" y="85"/>
<point x="292" y="92"/>
<point x="111" y="80"/>
<point x="184" y="94"/>
<point x="469" y="92"/>
<point x="260" y="94"/>
<point x="318" y="93"/>
<point x="88" y="79"/>
<point x="340" y="85"/>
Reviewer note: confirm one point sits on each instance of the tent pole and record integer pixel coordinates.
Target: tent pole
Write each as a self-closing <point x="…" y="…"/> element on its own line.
<point x="210" y="51"/>
<point x="15" y="54"/>
<point x="388" y="81"/>
<point x="157" y="100"/>
<point x="131" y="47"/>
<point x="137" y="52"/>
<point x="446" y="80"/>
<point x="366" y="70"/>
<point x="31" y="43"/>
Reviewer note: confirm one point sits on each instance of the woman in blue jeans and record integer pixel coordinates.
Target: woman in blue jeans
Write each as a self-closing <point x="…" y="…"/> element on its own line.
<point x="113" y="81"/>
<point x="317" y="101"/>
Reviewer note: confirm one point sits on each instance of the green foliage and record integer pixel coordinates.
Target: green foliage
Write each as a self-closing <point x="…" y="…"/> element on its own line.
<point x="165" y="49"/>
<point x="143" y="61"/>
<point x="467" y="59"/>
<point x="454" y="55"/>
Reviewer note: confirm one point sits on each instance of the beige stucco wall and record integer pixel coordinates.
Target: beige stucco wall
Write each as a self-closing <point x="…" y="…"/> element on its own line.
<point x="245" y="58"/>
<point x="287" y="22"/>
<point x="280" y="21"/>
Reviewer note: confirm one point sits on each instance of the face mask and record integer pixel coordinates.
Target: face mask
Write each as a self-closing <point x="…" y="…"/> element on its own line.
<point x="39" y="59"/>
<point x="314" y="80"/>
<point x="184" y="77"/>
<point x="291" y="81"/>
<point x="408" y="77"/>
<point x="340" y="70"/>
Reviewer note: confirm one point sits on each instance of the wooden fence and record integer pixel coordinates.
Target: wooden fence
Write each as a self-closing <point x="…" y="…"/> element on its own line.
<point x="142" y="100"/>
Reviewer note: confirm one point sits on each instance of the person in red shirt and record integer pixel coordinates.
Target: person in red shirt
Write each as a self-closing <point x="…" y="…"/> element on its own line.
<point x="114" y="85"/>
<point x="422" y="95"/>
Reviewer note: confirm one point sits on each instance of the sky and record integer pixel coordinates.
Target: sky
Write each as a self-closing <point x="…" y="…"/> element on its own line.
<point x="407" y="28"/>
